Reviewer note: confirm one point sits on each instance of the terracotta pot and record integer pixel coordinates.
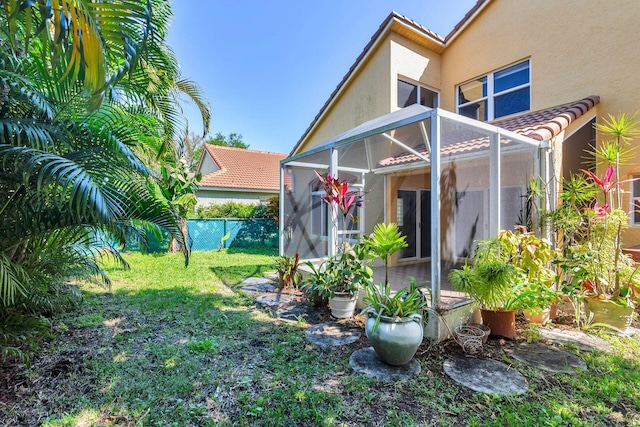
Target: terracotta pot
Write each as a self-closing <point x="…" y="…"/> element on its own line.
<point x="501" y="322"/>
<point x="396" y="339"/>
<point x="343" y="305"/>
<point x="608" y="313"/>
<point x="539" y="317"/>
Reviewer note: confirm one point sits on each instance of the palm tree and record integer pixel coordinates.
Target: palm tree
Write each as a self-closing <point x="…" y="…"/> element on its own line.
<point x="78" y="117"/>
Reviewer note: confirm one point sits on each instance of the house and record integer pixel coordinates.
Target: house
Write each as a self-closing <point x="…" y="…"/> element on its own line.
<point x="237" y="175"/>
<point x="444" y="133"/>
<point x="504" y="62"/>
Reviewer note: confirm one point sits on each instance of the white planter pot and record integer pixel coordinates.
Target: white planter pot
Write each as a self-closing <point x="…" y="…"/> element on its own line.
<point x="343" y="305"/>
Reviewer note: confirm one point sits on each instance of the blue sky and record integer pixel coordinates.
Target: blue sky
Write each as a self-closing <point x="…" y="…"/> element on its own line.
<point x="267" y="67"/>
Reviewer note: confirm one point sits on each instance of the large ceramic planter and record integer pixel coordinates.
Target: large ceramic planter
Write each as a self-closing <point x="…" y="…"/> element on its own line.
<point x="343" y="305"/>
<point x="608" y="313"/>
<point x="396" y="339"/>
<point x="501" y="322"/>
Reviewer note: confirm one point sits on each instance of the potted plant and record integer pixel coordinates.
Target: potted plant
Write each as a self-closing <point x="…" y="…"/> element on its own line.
<point x="394" y="322"/>
<point x="593" y="262"/>
<point x="338" y="279"/>
<point x="288" y="274"/>
<point x="536" y="259"/>
<point x="492" y="280"/>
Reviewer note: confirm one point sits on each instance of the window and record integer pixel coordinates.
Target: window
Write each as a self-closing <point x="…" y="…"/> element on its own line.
<point x="319" y="214"/>
<point x="635" y="200"/>
<point x="409" y="94"/>
<point x="498" y="94"/>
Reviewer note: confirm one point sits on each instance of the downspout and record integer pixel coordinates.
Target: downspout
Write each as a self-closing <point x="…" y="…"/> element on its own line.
<point x="546" y="173"/>
<point x="281" y="211"/>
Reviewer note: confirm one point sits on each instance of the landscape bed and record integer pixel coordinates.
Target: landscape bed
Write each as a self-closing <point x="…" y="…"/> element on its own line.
<point x="174" y="346"/>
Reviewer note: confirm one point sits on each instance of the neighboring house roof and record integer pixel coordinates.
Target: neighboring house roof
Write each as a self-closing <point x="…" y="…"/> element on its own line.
<point x="242" y="169"/>
<point x="539" y="125"/>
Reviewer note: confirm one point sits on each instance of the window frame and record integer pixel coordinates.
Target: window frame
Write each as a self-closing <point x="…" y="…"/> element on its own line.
<point x="634" y="200"/>
<point x="420" y="87"/>
<point x="491" y="95"/>
<point x="318" y="215"/>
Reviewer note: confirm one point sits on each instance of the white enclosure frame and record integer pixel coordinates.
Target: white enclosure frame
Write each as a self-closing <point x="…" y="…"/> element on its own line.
<point x="429" y="123"/>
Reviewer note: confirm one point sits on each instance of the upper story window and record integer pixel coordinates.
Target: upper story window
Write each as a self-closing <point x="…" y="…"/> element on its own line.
<point x="409" y="94"/>
<point x="498" y="94"/>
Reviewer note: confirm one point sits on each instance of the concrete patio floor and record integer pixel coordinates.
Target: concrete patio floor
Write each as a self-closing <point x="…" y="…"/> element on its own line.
<point x="398" y="277"/>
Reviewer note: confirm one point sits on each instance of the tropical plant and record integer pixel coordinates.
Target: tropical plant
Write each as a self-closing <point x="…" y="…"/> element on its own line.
<point x="176" y="190"/>
<point x="593" y="262"/>
<point x="88" y="93"/>
<point x="407" y="301"/>
<point x="338" y="195"/>
<point x="287" y="268"/>
<point x="345" y="272"/>
<point x="384" y="241"/>
<point x="491" y="279"/>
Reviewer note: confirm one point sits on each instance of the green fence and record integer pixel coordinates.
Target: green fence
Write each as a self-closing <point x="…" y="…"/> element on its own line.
<point x="209" y="234"/>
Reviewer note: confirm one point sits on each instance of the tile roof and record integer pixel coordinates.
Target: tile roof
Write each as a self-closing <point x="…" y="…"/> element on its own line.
<point x="545" y="124"/>
<point x="539" y="125"/>
<point x="243" y="169"/>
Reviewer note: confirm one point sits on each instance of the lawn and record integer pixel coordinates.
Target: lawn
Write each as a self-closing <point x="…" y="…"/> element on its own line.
<point x="169" y="346"/>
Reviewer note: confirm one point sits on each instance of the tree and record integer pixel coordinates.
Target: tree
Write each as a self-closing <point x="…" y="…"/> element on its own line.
<point x="88" y="107"/>
<point x="233" y="140"/>
<point x="176" y="190"/>
<point x="192" y="150"/>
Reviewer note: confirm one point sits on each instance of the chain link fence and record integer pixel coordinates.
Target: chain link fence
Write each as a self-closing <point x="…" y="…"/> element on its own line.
<point x="214" y="234"/>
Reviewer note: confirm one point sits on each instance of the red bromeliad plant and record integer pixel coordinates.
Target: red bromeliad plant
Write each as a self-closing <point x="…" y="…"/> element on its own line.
<point x="338" y="194"/>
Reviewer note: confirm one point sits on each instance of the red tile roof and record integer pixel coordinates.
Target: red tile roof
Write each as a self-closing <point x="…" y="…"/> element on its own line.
<point x="538" y="125"/>
<point x="545" y="124"/>
<point x="243" y="169"/>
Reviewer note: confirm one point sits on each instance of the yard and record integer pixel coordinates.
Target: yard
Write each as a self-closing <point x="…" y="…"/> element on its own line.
<point x="174" y="346"/>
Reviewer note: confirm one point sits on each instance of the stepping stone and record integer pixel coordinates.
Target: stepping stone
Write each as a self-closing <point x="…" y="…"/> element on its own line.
<point x="365" y="361"/>
<point x="633" y="332"/>
<point x="256" y="281"/>
<point x="259" y="288"/>
<point x="276" y="300"/>
<point x="273" y="275"/>
<point x="486" y="376"/>
<point x="581" y="340"/>
<point x="548" y="358"/>
<point x="327" y="335"/>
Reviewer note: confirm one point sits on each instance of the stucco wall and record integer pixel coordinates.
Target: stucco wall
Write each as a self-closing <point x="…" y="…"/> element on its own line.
<point x="577" y="48"/>
<point x="367" y="98"/>
<point x="373" y="89"/>
<point x="411" y="61"/>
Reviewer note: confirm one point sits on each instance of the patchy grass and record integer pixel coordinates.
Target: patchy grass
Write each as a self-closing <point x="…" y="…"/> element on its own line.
<point x="170" y="346"/>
